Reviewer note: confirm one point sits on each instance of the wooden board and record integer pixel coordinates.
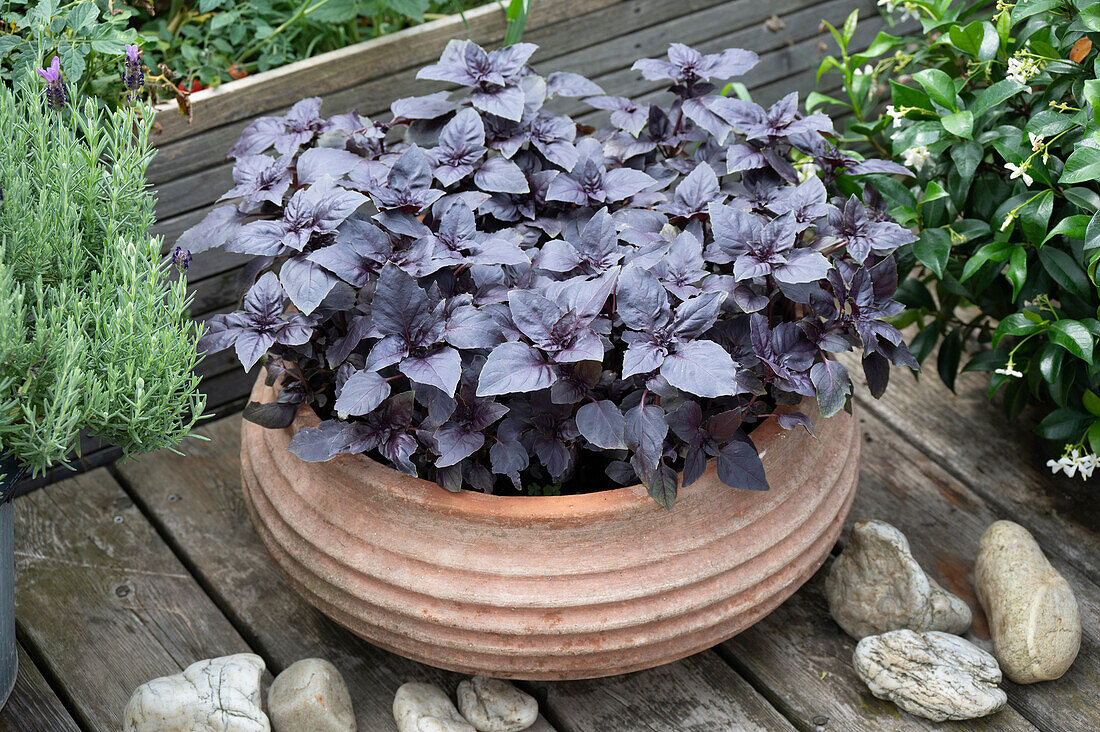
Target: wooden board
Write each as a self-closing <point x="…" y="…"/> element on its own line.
<point x="101" y="600"/>
<point x="195" y="500"/>
<point x="33" y="706"/>
<point x="332" y="71"/>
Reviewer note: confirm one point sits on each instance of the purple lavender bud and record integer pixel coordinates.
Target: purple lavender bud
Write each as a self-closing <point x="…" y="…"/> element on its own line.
<point x="133" y="78"/>
<point x="181" y="258"/>
<point x="56" y="94"/>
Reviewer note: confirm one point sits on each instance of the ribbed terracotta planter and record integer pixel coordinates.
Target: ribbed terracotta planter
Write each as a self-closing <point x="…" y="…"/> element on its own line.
<point x="560" y="587"/>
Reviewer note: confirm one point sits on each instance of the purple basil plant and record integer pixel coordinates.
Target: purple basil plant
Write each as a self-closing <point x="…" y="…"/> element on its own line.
<point x="485" y="293"/>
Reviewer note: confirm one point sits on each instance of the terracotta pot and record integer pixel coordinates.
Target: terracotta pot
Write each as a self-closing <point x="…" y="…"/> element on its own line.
<point x="557" y="587"/>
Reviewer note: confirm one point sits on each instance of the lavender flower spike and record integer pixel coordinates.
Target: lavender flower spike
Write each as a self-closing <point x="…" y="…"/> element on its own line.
<point x="56" y="94"/>
<point x="133" y="78"/>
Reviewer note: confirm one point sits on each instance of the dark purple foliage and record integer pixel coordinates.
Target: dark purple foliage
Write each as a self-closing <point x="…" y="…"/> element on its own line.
<point x="499" y="292"/>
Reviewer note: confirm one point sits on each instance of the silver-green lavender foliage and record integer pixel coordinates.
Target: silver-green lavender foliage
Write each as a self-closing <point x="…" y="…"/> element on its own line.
<point x="94" y="334"/>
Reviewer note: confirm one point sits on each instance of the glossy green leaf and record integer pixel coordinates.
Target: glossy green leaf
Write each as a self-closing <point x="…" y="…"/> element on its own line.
<point x="1064" y="270"/>
<point x="1016" y="272"/>
<point x="995" y="95"/>
<point x="1091" y="402"/>
<point x="939" y="87"/>
<point x="1016" y="324"/>
<point x="1064" y="425"/>
<point x="1073" y="227"/>
<point x="1036" y="215"/>
<point x="1082" y="165"/>
<point x="1072" y="336"/>
<point x="959" y="123"/>
<point x="947" y="362"/>
<point x="932" y="249"/>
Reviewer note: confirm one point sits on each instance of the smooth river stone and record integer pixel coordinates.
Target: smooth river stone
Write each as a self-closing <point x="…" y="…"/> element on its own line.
<point x="425" y="708"/>
<point x="876" y="585"/>
<point x="933" y="675"/>
<point x="492" y="705"/>
<point x="215" y="695"/>
<point x="310" y="695"/>
<point x="1033" y="615"/>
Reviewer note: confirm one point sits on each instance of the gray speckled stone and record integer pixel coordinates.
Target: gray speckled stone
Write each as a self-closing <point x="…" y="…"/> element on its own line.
<point x="496" y="706"/>
<point x="933" y="675"/>
<point x="310" y="696"/>
<point x="876" y="585"/>
<point x="425" y="708"/>
<point x="1033" y="615"/>
<point x="215" y="695"/>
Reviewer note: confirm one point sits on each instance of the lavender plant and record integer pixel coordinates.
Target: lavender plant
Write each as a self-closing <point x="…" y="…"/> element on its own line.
<point x="94" y="337"/>
<point x="503" y="298"/>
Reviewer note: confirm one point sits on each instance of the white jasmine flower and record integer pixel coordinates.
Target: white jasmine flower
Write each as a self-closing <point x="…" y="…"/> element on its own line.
<point x="1022" y="69"/>
<point x="1009" y="370"/>
<point x="895" y="115"/>
<point x="1036" y="141"/>
<point x="1073" y="462"/>
<point x="1008" y="220"/>
<point x="908" y="9"/>
<point x="865" y="71"/>
<point x="916" y="157"/>
<point x="1019" y="172"/>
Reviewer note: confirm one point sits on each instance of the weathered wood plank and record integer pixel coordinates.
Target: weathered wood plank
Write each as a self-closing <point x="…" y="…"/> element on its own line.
<point x="697" y="694"/>
<point x="973" y="441"/>
<point x="33" y="706"/>
<point x="196" y="500"/>
<point x="943" y="517"/>
<point x="331" y="71"/>
<point x="102" y="601"/>
<point x="803" y="660"/>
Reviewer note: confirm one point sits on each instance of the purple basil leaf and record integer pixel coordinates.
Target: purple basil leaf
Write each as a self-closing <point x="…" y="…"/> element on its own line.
<point x="739" y="467"/>
<point x="273" y="416"/>
<point x="804" y="265"/>
<point x="833" y="386"/>
<point x="641" y="301"/>
<point x="440" y="368"/>
<point x="702" y="368"/>
<point x="602" y="424"/>
<point x="662" y="484"/>
<point x="317" y="162"/>
<point x="568" y="84"/>
<point x="515" y="367"/>
<point x="501" y="175"/>
<point x="321" y="443"/>
<point x="216" y="228"/>
<point x="305" y="282"/>
<point x="431" y="106"/>
<point x="790" y="420"/>
<point x="877" y="370"/>
<point x="645" y="430"/>
<point x="456" y="443"/>
<point x="361" y="394"/>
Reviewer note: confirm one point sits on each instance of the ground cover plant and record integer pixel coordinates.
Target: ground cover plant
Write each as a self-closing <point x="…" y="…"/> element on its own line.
<point x="94" y="338"/>
<point x="482" y="292"/>
<point x="997" y="109"/>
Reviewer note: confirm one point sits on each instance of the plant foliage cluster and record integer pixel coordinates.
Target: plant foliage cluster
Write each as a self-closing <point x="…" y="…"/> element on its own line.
<point x="997" y="109"/>
<point x="500" y="292"/>
<point x="192" y="44"/>
<point x="94" y="337"/>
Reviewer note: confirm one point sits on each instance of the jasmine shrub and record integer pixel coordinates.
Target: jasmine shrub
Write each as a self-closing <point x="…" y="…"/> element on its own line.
<point x="94" y="337"/>
<point x="996" y="106"/>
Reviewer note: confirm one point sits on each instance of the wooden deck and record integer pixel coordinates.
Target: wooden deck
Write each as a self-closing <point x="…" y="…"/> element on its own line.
<point x="135" y="571"/>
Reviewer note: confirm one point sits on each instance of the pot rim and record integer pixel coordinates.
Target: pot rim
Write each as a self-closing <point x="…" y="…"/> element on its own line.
<point x="427" y="493"/>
